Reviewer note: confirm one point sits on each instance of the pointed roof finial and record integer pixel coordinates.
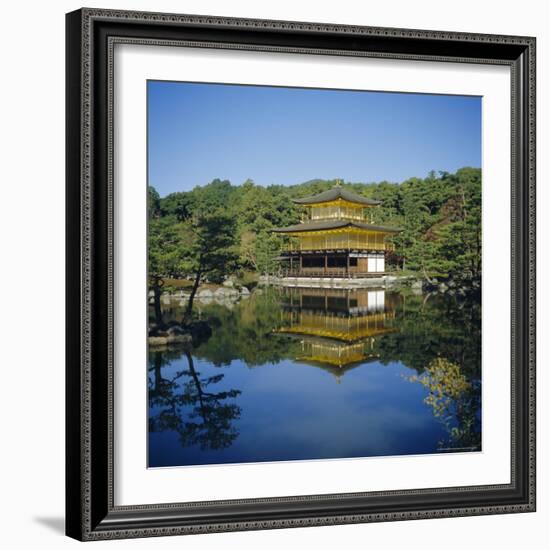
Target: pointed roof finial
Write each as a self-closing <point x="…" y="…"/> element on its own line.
<point x="338" y="183"/>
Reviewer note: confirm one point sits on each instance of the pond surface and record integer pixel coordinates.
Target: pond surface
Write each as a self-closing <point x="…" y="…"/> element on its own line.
<point x="296" y="374"/>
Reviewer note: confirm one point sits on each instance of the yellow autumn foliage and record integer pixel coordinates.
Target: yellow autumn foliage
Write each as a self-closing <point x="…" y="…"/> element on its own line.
<point x="445" y="382"/>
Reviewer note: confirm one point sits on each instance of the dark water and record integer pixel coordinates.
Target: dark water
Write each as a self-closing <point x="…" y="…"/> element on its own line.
<point x="293" y="374"/>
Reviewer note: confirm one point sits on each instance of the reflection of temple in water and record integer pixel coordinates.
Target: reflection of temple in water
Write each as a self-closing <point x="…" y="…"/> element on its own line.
<point x="337" y="328"/>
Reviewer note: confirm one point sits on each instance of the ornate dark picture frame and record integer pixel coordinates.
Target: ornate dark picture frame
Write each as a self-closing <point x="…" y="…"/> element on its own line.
<point x="91" y="513"/>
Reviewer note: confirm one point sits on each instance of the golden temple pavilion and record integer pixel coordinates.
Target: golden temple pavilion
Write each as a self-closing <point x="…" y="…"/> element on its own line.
<point x="337" y="328"/>
<point x="338" y="238"/>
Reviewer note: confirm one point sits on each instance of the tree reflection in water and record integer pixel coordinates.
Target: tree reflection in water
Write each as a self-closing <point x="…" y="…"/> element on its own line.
<point x="455" y="400"/>
<point x="188" y="406"/>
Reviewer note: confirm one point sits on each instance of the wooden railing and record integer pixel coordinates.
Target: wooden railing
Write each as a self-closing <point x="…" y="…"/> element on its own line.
<point x="304" y="246"/>
<point x="329" y="272"/>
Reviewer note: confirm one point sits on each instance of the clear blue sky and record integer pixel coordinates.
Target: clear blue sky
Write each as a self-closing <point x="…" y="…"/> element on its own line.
<point x="198" y="132"/>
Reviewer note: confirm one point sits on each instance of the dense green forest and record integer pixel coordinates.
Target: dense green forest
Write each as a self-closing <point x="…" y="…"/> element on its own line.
<point x="220" y="228"/>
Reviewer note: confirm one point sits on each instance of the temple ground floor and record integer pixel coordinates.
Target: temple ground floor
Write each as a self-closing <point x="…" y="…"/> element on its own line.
<point x="333" y="263"/>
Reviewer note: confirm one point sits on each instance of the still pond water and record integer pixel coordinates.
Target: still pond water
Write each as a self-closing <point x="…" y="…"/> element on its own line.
<point x="295" y="374"/>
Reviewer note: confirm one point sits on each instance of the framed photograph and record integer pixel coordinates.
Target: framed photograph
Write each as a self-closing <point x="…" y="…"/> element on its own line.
<point x="300" y="274"/>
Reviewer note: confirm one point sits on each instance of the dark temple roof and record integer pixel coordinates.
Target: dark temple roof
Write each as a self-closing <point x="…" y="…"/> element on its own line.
<point x="334" y="194"/>
<point x="334" y="224"/>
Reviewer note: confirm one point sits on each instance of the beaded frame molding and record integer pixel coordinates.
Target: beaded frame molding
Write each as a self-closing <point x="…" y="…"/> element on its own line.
<point x="90" y="510"/>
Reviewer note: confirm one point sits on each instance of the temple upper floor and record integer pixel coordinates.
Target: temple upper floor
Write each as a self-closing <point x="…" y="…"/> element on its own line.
<point x="337" y="212"/>
<point x="337" y="204"/>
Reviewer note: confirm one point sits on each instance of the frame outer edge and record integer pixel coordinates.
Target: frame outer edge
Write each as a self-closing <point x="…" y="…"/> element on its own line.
<point x="79" y="265"/>
<point x="74" y="504"/>
<point x="287" y="25"/>
<point x="531" y="78"/>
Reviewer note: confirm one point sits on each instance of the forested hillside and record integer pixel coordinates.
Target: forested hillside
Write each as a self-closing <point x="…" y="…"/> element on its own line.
<point x="221" y="228"/>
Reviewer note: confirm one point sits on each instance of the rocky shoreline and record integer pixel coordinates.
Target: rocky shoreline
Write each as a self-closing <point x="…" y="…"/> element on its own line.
<point x="221" y="295"/>
<point x="449" y="287"/>
<point x="174" y="333"/>
<point x="187" y="334"/>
